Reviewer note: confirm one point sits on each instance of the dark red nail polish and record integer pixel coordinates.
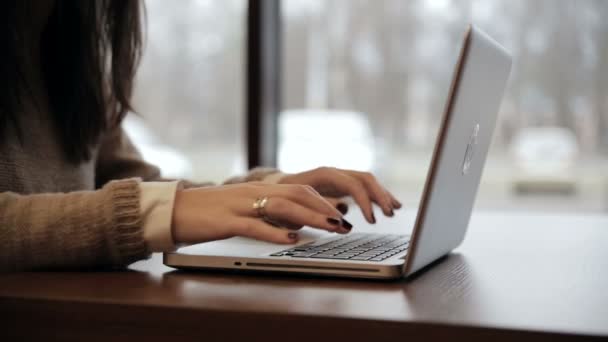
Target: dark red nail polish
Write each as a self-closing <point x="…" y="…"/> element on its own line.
<point x="373" y="218"/>
<point x="346" y="225"/>
<point x="333" y="221"/>
<point x="343" y="208"/>
<point x="391" y="213"/>
<point x="292" y="236"/>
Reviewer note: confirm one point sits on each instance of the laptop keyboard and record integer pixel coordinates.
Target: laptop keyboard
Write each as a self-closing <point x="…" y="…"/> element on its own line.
<point x="357" y="246"/>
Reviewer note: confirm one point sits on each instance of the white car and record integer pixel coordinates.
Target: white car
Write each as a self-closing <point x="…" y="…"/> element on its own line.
<point x="311" y="138"/>
<point x="545" y="159"/>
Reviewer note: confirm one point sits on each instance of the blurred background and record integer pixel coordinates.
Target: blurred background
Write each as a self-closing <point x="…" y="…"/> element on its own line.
<point x="364" y="85"/>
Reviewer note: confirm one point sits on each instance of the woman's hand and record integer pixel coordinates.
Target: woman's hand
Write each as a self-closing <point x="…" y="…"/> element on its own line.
<point x="214" y="213"/>
<point x="363" y="187"/>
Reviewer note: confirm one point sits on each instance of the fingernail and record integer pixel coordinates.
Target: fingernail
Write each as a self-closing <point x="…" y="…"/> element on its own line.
<point x="292" y="236"/>
<point x="391" y="212"/>
<point x="399" y="205"/>
<point x="346" y="224"/>
<point x="373" y="218"/>
<point x="333" y="221"/>
<point x="342" y="207"/>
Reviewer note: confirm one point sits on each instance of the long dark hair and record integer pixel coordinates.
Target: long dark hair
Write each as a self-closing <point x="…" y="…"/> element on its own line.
<point x="89" y="52"/>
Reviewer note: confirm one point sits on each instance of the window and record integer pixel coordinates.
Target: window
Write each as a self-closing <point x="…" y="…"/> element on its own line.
<point x="189" y="89"/>
<point x="364" y="85"/>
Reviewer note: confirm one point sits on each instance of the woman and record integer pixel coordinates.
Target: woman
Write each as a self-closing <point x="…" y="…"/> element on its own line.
<point x="74" y="192"/>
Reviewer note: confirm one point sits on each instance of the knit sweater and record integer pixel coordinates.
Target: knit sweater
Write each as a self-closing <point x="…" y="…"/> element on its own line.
<point x="58" y="215"/>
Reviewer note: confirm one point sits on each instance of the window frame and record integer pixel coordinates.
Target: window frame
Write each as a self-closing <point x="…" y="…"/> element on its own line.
<point x="263" y="81"/>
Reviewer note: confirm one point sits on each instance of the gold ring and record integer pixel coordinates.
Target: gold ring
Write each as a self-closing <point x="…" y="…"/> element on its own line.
<point x="259" y="206"/>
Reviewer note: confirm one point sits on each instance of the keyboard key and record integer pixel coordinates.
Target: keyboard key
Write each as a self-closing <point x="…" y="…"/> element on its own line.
<point x="359" y="251"/>
<point x="387" y="255"/>
<point x="350" y="255"/>
<point x="339" y="250"/>
<point x="302" y="256"/>
<point x="322" y="256"/>
<point x="339" y="257"/>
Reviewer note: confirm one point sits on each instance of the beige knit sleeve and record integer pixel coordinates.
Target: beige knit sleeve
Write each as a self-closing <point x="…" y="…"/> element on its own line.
<point x="72" y="230"/>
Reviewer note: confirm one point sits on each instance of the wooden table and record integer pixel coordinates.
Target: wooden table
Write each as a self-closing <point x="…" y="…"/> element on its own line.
<point x="517" y="276"/>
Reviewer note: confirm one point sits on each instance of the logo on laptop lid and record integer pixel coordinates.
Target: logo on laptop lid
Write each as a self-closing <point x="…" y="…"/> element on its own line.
<point x="470" y="152"/>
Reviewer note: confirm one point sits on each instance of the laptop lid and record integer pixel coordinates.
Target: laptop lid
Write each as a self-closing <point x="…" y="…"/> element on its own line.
<point x="464" y="137"/>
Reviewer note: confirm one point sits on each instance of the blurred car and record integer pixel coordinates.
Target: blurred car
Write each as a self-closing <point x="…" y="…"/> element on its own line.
<point x="313" y="138"/>
<point x="171" y="162"/>
<point x="545" y="160"/>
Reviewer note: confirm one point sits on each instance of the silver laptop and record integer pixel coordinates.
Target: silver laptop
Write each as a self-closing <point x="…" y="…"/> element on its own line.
<point x="386" y="250"/>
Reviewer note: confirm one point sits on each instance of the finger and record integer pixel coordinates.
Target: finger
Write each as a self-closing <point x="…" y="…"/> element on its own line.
<point x="352" y="186"/>
<point x="342" y="207"/>
<point x="279" y="224"/>
<point x="260" y="230"/>
<point x="284" y="210"/>
<point x="292" y="226"/>
<point x="307" y="196"/>
<point x="339" y="204"/>
<point x="396" y="204"/>
<point x="377" y="192"/>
